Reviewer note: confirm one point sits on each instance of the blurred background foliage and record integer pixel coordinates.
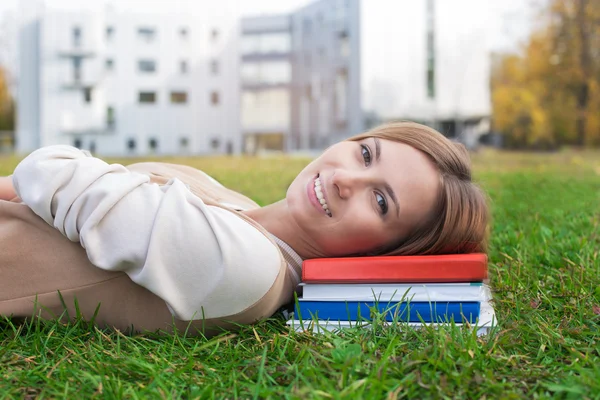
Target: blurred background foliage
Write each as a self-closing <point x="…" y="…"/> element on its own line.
<point x="549" y="95"/>
<point x="7" y="105"/>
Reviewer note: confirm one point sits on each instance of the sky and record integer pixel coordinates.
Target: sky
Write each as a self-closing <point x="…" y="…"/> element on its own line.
<point x="510" y="19"/>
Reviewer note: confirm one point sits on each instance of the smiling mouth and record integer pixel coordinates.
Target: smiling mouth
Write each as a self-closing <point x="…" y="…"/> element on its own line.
<point x="321" y="196"/>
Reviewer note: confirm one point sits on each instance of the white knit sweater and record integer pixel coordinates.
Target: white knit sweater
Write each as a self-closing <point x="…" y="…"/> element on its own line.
<point x="204" y="261"/>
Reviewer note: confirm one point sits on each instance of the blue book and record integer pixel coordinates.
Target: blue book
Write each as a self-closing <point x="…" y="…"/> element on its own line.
<point x="440" y="311"/>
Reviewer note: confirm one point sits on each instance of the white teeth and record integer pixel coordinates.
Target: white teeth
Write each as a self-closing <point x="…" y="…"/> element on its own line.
<point x="320" y="197"/>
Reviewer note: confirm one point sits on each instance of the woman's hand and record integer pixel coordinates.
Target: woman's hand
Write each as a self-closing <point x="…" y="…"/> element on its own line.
<point x="7" y="190"/>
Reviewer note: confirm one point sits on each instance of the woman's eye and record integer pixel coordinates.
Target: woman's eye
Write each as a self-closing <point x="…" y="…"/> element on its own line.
<point x="382" y="203"/>
<point x="366" y="154"/>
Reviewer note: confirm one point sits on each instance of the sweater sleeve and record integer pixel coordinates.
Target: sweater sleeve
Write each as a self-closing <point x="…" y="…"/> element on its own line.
<point x="204" y="261"/>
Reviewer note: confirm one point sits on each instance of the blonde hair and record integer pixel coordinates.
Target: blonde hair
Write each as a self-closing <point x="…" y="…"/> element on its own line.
<point x="458" y="223"/>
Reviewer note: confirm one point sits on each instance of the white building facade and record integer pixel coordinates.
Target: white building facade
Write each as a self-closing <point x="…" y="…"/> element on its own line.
<point x="128" y="84"/>
<point x="300" y="77"/>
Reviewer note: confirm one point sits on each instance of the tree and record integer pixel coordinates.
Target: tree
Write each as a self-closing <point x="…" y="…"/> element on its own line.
<point x="575" y="34"/>
<point x="7" y="108"/>
<point x="550" y="94"/>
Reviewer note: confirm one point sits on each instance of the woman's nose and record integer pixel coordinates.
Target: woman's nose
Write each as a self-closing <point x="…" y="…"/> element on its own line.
<point x="347" y="182"/>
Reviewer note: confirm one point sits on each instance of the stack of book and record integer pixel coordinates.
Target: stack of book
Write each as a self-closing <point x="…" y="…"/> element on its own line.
<point x="418" y="290"/>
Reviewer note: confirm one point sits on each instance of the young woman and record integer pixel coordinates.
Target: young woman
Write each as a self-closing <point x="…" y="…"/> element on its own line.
<point x="156" y="246"/>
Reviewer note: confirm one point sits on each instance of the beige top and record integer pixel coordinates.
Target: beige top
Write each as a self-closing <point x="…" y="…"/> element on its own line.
<point x="204" y="261"/>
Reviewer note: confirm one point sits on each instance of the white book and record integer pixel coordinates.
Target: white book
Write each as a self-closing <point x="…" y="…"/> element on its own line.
<point x="487" y="320"/>
<point x="456" y="292"/>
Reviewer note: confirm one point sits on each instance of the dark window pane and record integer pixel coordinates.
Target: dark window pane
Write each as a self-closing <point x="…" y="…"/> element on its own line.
<point x="110" y="118"/>
<point x="179" y="97"/>
<point x="214" y="98"/>
<point x="146" y="34"/>
<point x="147" y="65"/>
<point x="76" y="36"/>
<point x="147" y="97"/>
<point x="131" y="144"/>
<point x="87" y="94"/>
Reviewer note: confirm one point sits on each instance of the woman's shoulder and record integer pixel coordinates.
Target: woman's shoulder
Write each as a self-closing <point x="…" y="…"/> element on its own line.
<point x="198" y="181"/>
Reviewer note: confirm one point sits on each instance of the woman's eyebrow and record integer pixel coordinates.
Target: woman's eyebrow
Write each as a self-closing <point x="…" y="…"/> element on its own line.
<point x="387" y="186"/>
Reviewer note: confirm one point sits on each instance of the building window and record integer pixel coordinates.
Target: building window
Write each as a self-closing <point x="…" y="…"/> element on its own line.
<point x="266" y="73"/>
<point x="146" y="34"/>
<point x="76" y="36"/>
<point x="183" y="67"/>
<point x="184" y="33"/>
<point x="179" y="97"/>
<point x="153" y="144"/>
<point x="184" y="143"/>
<point x="92" y="147"/>
<point x="306" y="26"/>
<point x="214" y="67"/>
<point x="214" y="35"/>
<point x="110" y="118"/>
<point x="266" y="43"/>
<point x="109" y="64"/>
<point x="131" y="145"/>
<point x="266" y="107"/>
<point x="87" y="94"/>
<point x="344" y="44"/>
<point x="215" y="143"/>
<point x="77" y="143"/>
<point x="322" y="56"/>
<point x="320" y="20"/>
<point x="430" y="49"/>
<point x="147" y="66"/>
<point x="340" y="99"/>
<point x="76" y="69"/>
<point x="147" y="97"/>
<point x="214" y="98"/>
<point x="110" y="33"/>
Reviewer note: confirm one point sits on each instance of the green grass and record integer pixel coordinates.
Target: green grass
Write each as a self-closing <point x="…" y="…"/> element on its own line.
<point x="545" y="272"/>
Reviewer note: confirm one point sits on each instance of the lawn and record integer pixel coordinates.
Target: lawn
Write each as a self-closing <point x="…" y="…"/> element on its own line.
<point x="545" y="275"/>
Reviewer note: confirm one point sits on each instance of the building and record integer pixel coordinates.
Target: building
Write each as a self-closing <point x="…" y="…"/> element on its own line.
<point x="128" y="84"/>
<point x="300" y="77"/>
<point x="266" y="83"/>
<point x="428" y="61"/>
<point x="124" y="83"/>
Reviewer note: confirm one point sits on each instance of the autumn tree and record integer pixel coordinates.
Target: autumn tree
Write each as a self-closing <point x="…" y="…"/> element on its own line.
<point x="7" y="118"/>
<point x="549" y="95"/>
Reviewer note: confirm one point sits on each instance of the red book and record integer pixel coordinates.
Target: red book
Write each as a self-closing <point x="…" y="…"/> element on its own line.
<point x="396" y="269"/>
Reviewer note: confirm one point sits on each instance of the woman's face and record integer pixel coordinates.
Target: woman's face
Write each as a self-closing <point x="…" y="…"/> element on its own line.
<point x="360" y="196"/>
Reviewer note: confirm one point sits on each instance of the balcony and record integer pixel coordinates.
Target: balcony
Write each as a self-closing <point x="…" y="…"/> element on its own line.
<point x="73" y="84"/>
<point x="84" y="122"/>
<point x="259" y="86"/>
<point x="77" y="52"/>
<point x="274" y="55"/>
<point x="81" y="76"/>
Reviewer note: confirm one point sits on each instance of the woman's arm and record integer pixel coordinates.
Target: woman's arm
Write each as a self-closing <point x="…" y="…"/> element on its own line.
<point x="202" y="260"/>
<point x="7" y="190"/>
